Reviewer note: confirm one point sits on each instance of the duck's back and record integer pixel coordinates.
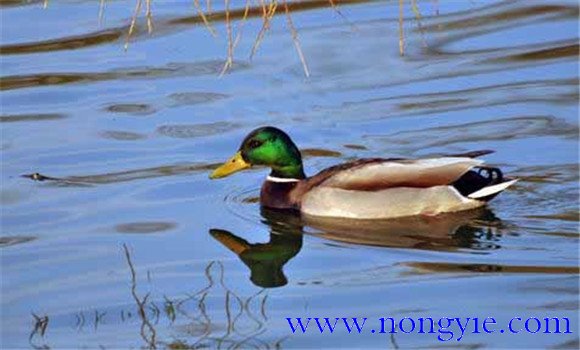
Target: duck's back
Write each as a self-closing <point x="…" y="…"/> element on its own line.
<point x="387" y="188"/>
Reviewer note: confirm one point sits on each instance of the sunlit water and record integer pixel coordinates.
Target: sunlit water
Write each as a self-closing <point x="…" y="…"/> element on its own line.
<point x="126" y="141"/>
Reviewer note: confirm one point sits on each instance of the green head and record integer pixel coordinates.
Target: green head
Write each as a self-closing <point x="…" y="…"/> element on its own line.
<point x="266" y="146"/>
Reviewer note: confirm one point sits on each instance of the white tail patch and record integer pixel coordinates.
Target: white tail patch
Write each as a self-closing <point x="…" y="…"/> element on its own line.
<point x="489" y="190"/>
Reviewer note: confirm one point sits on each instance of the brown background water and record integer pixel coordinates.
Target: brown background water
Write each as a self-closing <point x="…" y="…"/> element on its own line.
<point x="127" y="140"/>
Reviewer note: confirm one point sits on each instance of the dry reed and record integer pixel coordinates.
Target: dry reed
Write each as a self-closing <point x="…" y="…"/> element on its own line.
<point x="269" y="9"/>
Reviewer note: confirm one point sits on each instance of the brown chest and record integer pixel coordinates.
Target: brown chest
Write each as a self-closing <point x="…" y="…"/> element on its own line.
<point x="278" y="195"/>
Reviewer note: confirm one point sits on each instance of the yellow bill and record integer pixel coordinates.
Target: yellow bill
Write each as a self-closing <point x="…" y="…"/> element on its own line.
<point x="233" y="165"/>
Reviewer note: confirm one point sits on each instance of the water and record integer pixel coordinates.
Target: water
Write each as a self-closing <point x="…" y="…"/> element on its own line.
<point x="124" y="142"/>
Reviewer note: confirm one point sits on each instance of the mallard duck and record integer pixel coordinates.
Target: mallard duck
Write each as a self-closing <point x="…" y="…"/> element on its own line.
<point x="372" y="188"/>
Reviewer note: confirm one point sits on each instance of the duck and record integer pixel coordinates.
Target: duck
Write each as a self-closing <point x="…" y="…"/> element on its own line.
<point x="368" y="188"/>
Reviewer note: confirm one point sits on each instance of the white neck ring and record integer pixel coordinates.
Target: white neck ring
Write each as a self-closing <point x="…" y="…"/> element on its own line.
<point x="280" y="179"/>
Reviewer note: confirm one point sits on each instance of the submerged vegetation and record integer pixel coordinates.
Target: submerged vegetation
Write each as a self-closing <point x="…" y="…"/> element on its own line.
<point x="266" y="9"/>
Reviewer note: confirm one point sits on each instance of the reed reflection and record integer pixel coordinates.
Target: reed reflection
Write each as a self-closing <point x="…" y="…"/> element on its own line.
<point x="210" y="315"/>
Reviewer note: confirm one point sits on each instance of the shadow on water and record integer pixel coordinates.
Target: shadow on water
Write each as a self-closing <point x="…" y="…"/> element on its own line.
<point x="31" y="117"/>
<point x="173" y="69"/>
<point x="163" y="26"/>
<point x="122" y="176"/>
<point x="488" y="19"/>
<point x="429" y="267"/>
<point x="266" y="260"/>
<point x="475" y="231"/>
<point x="511" y="128"/>
<point x="6" y="241"/>
<point x="472" y="231"/>
<point x="173" y="131"/>
<point x="241" y="322"/>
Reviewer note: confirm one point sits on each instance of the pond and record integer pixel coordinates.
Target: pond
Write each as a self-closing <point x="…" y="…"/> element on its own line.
<point x="116" y="237"/>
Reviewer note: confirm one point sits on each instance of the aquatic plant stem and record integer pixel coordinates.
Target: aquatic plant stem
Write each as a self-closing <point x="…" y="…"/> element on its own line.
<point x="230" y="58"/>
<point x="133" y="23"/>
<point x="242" y="22"/>
<point x="269" y="8"/>
<point x="418" y="17"/>
<point x="401" y="35"/>
<point x="149" y="16"/>
<point x="201" y="14"/>
<point x="268" y="14"/>
<point x="140" y="304"/>
<point x="295" y="40"/>
<point x="336" y="9"/>
<point x="101" y="11"/>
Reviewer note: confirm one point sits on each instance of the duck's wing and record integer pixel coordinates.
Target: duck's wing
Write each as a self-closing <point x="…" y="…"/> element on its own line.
<point x="380" y="174"/>
<point x="472" y="154"/>
<point x="388" y="188"/>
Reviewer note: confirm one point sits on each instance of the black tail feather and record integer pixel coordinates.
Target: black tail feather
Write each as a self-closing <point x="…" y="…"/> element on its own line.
<point x="478" y="178"/>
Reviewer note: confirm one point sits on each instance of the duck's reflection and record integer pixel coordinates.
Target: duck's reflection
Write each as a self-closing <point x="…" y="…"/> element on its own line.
<point x="266" y="260"/>
<point x="473" y="231"/>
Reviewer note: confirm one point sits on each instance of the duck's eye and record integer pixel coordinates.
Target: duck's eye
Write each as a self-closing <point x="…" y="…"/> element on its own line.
<point x="254" y="144"/>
